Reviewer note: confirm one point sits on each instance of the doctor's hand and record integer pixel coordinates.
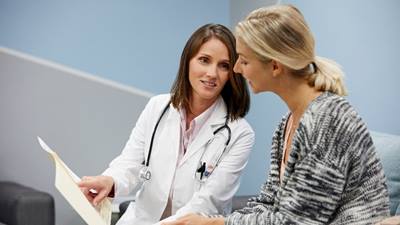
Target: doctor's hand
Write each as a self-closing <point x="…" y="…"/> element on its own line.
<point x="194" y="219"/>
<point x="96" y="188"/>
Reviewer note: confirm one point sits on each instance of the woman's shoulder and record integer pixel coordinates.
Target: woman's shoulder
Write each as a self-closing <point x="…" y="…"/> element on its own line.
<point x="241" y="124"/>
<point x="329" y="110"/>
<point x="159" y="100"/>
<point x="156" y="103"/>
<point x="333" y="125"/>
<point x="328" y="103"/>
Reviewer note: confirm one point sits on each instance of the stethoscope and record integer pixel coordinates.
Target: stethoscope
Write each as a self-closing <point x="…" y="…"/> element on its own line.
<point x="203" y="170"/>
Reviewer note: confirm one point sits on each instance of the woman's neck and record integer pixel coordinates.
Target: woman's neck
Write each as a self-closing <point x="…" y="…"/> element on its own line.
<point x="197" y="107"/>
<point x="297" y="98"/>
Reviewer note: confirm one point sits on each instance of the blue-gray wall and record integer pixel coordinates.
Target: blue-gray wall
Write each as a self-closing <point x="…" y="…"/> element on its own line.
<point x="362" y="36"/>
<point x="138" y="43"/>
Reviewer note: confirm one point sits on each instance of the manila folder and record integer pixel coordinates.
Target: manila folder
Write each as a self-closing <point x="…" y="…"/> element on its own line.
<point x="65" y="182"/>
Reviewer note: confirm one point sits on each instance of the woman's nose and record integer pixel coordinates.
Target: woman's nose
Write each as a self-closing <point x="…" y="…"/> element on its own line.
<point x="236" y="67"/>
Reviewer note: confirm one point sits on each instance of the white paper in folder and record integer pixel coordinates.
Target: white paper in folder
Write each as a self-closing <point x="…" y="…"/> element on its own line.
<point x="65" y="182"/>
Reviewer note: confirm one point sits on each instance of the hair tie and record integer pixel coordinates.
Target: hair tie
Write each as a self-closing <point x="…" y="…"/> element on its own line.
<point x="314" y="67"/>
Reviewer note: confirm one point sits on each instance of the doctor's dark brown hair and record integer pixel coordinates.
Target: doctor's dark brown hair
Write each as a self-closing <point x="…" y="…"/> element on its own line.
<point x="235" y="92"/>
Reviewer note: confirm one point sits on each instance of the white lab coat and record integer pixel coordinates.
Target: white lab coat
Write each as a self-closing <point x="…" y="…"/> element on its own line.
<point x="212" y="196"/>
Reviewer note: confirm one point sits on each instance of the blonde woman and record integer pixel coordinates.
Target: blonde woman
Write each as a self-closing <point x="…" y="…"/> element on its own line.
<point x="324" y="168"/>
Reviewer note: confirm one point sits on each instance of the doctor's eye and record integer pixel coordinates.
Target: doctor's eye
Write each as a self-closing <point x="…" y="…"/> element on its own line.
<point x="203" y="60"/>
<point x="224" y="66"/>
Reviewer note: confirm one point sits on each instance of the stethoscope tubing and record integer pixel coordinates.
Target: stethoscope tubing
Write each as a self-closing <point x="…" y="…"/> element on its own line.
<point x="201" y="169"/>
<point x="154" y="133"/>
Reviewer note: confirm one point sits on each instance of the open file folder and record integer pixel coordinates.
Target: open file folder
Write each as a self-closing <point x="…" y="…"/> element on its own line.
<point x="65" y="182"/>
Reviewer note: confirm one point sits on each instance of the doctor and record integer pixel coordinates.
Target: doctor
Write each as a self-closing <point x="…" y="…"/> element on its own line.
<point x="188" y="148"/>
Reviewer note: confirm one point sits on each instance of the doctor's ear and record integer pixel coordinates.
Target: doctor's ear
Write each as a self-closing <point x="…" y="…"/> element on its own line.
<point x="277" y="68"/>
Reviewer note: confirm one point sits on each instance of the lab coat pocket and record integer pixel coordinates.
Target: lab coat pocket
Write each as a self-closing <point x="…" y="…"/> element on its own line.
<point x="213" y="156"/>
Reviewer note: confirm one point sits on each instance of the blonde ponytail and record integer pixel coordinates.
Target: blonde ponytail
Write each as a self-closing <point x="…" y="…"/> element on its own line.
<point x="328" y="76"/>
<point x="280" y="33"/>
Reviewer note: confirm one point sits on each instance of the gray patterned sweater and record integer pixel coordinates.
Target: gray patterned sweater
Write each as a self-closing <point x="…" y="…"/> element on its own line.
<point x="333" y="174"/>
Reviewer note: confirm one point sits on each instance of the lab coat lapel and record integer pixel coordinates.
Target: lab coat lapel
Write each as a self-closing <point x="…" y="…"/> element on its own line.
<point x="172" y="138"/>
<point x="206" y="133"/>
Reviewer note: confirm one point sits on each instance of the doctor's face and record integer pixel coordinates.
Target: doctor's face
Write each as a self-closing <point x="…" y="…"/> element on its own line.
<point x="209" y="71"/>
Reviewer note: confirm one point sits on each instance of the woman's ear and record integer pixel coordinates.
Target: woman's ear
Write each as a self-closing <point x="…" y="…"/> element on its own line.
<point x="277" y="68"/>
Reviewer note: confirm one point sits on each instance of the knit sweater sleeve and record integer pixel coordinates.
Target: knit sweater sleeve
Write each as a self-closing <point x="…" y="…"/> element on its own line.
<point x="310" y="196"/>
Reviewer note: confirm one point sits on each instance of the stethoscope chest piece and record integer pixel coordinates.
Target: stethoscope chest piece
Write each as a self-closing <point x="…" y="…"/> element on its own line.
<point x="145" y="173"/>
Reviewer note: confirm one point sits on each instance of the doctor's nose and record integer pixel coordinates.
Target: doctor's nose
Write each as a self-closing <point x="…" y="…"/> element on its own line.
<point x="212" y="70"/>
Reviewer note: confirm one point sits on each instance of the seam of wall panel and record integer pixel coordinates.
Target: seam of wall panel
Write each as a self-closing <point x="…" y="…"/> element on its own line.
<point x="77" y="73"/>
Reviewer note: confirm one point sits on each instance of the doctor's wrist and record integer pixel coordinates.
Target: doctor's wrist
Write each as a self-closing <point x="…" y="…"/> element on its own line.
<point x="109" y="183"/>
<point x="112" y="192"/>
